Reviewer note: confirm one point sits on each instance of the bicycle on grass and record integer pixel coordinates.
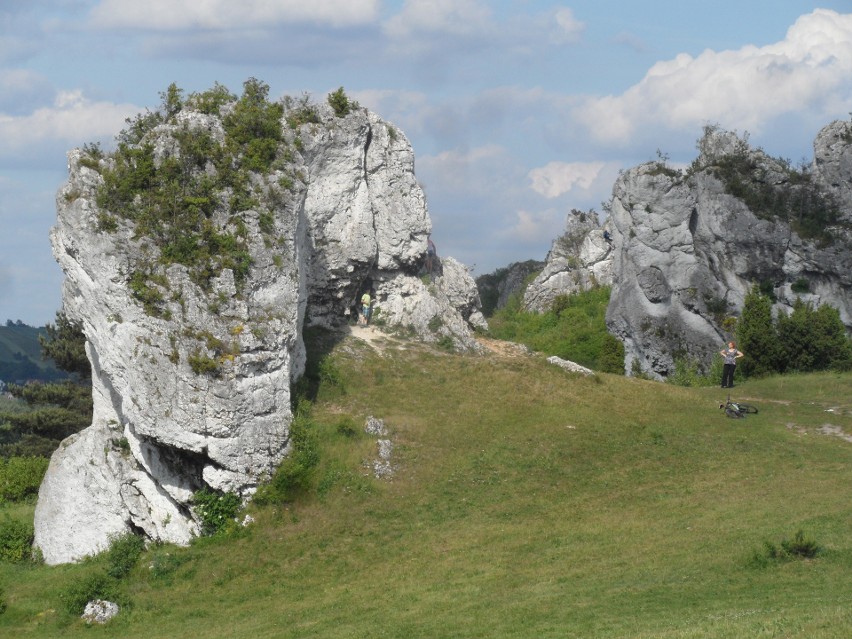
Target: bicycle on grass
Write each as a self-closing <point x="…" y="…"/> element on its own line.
<point x="737" y="410"/>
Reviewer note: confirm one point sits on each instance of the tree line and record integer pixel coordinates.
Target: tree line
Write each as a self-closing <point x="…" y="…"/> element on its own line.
<point x="53" y="410"/>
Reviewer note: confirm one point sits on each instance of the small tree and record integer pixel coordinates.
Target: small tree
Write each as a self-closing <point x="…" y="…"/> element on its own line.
<point x="65" y="344"/>
<point x="341" y="104"/>
<point x="756" y="335"/>
<point x="55" y="410"/>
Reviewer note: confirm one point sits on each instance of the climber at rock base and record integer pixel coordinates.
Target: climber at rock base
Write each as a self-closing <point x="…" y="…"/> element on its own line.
<point x="364" y="317"/>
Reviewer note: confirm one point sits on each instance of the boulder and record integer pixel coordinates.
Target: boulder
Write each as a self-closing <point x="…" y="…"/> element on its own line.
<point x="99" y="611"/>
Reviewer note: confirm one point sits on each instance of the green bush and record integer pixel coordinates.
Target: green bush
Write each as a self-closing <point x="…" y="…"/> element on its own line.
<point x="800" y="547"/>
<point x="95" y="585"/>
<point x="797" y="548"/>
<point x="202" y="364"/>
<point x="123" y="554"/>
<point x="215" y="510"/>
<point x="341" y="104"/>
<point x="801" y="285"/>
<point x="172" y="203"/>
<point x="16" y="539"/>
<point x="689" y="372"/>
<point x="756" y="335"/>
<point x="447" y="343"/>
<point x="300" y="111"/>
<point x="330" y="378"/>
<point x="253" y="128"/>
<point x="611" y="355"/>
<point x="20" y="477"/>
<point x="212" y="100"/>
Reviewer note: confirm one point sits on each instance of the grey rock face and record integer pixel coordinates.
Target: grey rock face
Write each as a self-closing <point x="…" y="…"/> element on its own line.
<point x="196" y="393"/>
<point x="688" y="252"/>
<point x="832" y="165"/>
<point x="578" y="260"/>
<point x="446" y="307"/>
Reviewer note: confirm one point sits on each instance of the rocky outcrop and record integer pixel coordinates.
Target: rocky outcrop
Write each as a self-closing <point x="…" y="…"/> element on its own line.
<point x="579" y="259"/>
<point x="689" y="247"/>
<point x="832" y="166"/>
<point x="194" y="331"/>
<point x="436" y="310"/>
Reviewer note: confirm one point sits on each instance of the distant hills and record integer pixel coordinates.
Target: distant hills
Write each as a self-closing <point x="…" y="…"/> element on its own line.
<point x="20" y="355"/>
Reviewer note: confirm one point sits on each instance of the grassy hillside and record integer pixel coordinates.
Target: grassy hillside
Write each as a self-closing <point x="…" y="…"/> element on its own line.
<point x="526" y="502"/>
<point x="20" y="355"/>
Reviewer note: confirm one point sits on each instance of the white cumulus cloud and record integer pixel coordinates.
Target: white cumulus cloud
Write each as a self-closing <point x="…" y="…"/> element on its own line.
<point x="556" y="178"/>
<point x="569" y="27"/>
<point x="534" y="226"/>
<point x="466" y="171"/>
<point x="229" y="14"/>
<point x="459" y="17"/>
<point x="436" y="27"/>
<point x="72" y="119"/>
<point x="810" y="69"/>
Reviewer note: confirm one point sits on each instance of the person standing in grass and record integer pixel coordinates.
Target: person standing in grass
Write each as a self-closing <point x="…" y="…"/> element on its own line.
<point x="731" y="355"/>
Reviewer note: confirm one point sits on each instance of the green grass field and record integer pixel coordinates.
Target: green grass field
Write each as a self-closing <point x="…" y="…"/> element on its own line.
<point x="526" y="502"/>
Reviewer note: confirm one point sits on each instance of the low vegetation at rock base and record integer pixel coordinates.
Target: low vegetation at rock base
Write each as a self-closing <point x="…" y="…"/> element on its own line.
<point x="525" y="502"/>
<point x="573" y="329"/>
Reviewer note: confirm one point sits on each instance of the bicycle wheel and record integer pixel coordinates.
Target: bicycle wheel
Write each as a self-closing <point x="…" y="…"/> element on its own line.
<point x="733" y="414"/>
<point x="747" y="408"/>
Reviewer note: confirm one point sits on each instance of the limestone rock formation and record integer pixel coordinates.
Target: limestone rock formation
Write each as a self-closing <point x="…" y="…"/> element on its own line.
<point x="690" y="246"/>
<point x="578" y="260"/>
<point x="446" y="307"/>
<point x="832" y="166"/>
<point x="193" y="257"/>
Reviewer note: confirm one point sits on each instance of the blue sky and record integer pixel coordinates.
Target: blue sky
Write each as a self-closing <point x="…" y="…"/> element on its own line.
<point x="518" y="110"/>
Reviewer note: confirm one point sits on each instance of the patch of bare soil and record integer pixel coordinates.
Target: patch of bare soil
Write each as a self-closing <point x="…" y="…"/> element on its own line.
<point x="374" y="337"/>
<point x="836" y="431"/>
<point x="503" y="348"/>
